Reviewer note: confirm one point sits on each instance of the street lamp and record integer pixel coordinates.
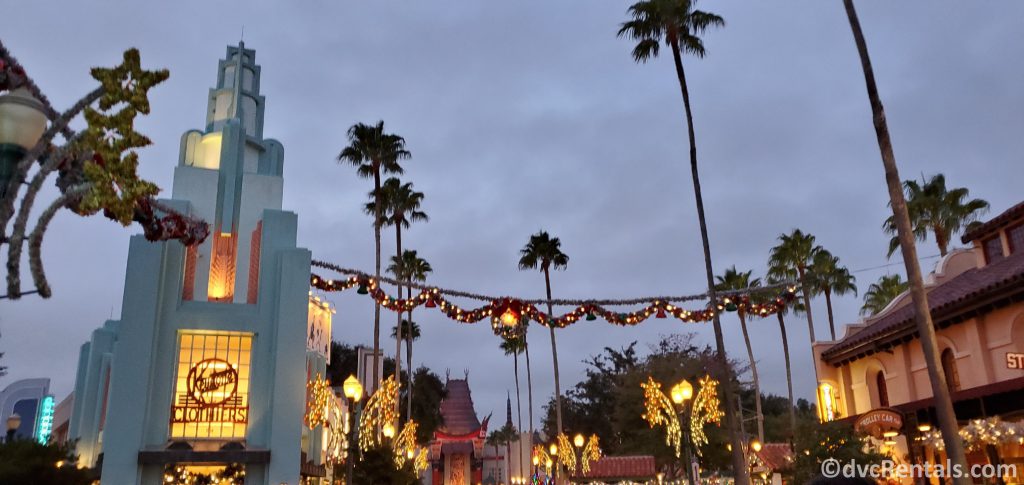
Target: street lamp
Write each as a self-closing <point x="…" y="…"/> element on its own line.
<point x="681" y="394"/>
<point x="354" y="392"/>
<point x="13" y="423"/>
<point x="579" y="440"/>
<point x="22" y="123"/>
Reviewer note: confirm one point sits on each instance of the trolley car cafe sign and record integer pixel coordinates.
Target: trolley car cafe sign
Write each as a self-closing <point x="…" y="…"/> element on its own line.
<point x="211" y="395"/>
<point x="877" y="421"/>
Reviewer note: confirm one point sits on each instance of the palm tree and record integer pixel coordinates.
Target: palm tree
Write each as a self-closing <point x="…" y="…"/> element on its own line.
<point x="410" y="332"/>
<point x="793" y="256"/>
<point x="785" y="353"/>
<point x="400" y="206"/>
<point x="679" y="25"/>
<point x="734" y="280"/>
<point x="934" y="208"/>
<point x="373" y="152"/>
<point x="410" y="267"/>
<point x="829" y="278"/>
<point x="544" y="252"/>
<point x="515" y="346"/>
<point x="880" y="294"/>
<point x="905" y="233"/>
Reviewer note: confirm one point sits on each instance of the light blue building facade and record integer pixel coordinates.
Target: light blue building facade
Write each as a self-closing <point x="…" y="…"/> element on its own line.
<point x="208" y="364"/>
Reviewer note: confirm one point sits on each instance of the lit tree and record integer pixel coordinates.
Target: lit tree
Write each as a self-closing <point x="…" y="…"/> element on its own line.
<point x="96" y="167"/>
<point x="373" y="152"/>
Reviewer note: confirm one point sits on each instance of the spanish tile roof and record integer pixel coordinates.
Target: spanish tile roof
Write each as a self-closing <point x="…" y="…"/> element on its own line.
<point x="775" y="456"/>
<point x="457" y="409"/>
<point x="992" y="225"/>
<point x="995" y="285"/>
<point x="622" y="467"/>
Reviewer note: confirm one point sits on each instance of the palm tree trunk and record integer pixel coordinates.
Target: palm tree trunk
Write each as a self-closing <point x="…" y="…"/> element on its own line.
<point x="807" y="301"/>
<point x="739" y="461"/>
<point x="757" y="383"/>
<point x="398" y="328"/>
<point x="828" y="304"/>
<point x="508" y="458"/>
<point x="529" y="384"/>
<point x="376" y="273"/>
<point x="941" y="240"/>
<point x="519" y="410"/>
<point x="408" y="360"/>
<point x="554" y="360"/>
<point x="789" y="378"/>
<point x="925" y="329"/>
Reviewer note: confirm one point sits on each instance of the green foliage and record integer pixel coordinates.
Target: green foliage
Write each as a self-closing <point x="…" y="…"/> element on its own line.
<point x="542" y="252"/>
<point x="111" y="138"/>
<point x="26" y="462"/>
<point x="426" y="407"/>
<point x="816" y="442"/>
<point x="399" y="204"/>
<point x="675" y="22"/>
<point x="378" y="466"/>
<point x="880" y="294"/>
<point x="934" y="208"/>
<point x="371" y="150"/>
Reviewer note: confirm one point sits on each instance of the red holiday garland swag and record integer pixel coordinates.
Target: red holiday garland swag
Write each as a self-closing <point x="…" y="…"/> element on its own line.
<point x="506" y="313"/>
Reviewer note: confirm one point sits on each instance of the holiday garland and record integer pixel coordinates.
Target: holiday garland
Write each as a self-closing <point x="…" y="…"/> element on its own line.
<point x="507" y="314"/>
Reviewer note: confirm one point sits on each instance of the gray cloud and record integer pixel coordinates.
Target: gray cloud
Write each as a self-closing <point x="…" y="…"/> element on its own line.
<point x="529" y="115"/>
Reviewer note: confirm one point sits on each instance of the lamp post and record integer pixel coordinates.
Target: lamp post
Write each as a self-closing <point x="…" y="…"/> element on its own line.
<point x="681" y="394"/>
<point x="22" y="123"/>
<point x="354" y="392"/>
<point x="13" y="423"/>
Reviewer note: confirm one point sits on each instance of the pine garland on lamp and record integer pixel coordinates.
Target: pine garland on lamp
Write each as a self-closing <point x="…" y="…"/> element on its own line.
<point x="380" y="411"/>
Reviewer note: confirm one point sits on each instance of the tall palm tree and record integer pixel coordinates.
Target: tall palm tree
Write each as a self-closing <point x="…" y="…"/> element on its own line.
<point x="880" y="294"/>
<point x="410" y="267"/>
<point x="905" y="233"/>
<point x="515" y="346"/>
<point x="794" y="255"/>
<point x="789" y="371"/>
<point x="410" y="331"/>
<point x="737" y="280"/>
<point x="544" y="252"/>
<point x="400" y="206"/>
<point x="934" y="208"/>
<point x="830" y="278"/>
<point x="679" y="25"/>
<point x="373" y="152"/>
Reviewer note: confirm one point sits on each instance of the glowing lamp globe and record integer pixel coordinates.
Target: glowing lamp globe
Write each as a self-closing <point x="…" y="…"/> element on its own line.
<point x="682" y="392"/>
<point x="22" y="121"/>
<point x="388" y="430"/>
<point x="553" y="449"/>
<point x="755" y="445"/>
<point x="536" y="460"/>
<point x="509" y="318"/>
<point x="13" y="422"/>
<point x="353" y="388"/>
<point x="410" y="453"/>
<point x="578" y="440"/>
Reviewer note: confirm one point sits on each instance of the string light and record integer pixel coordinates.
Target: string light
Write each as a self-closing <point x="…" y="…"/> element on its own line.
<point x="591" y="453"/>
<point x="380" y="411"/>
<point x="566" y="453"/>
<point x="503" y="312"/>
<point x="659" y="410"/>
<point x="706" y="409"/>
<point x="979" y="433"/>
<point x="405" y="443"/>
<point x="318" y="395"/>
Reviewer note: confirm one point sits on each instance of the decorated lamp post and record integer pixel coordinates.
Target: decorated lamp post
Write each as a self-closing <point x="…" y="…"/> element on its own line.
<point x="22" y="122"/>
<point x="683" y="411"/>
<point x="354" y="392"/>
<point x="13" y="422"/>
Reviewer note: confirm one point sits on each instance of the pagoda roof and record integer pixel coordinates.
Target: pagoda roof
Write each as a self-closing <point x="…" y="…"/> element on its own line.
<point x="457" y="409"/>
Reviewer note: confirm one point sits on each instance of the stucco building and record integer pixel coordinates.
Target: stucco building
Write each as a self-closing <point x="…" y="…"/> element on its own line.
<point x="875" y="374"/>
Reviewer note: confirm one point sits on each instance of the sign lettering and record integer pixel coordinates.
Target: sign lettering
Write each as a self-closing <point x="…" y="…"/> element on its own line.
<point x="211" y="395"/>
<point x="1014" y="360"/>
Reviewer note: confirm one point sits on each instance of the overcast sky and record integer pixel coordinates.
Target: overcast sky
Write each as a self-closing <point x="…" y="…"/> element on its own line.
<point x="532" y="115"/>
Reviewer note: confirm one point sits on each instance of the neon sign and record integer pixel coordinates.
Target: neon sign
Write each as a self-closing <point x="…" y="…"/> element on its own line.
<point x="45" y="427"/>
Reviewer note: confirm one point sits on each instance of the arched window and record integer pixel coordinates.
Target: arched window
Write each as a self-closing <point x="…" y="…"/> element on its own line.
<point x="949" y="368"/>
<point x="883" y="393"/>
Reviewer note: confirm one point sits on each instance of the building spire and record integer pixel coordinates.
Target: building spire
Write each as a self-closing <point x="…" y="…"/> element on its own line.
<point x="508" y="409"/>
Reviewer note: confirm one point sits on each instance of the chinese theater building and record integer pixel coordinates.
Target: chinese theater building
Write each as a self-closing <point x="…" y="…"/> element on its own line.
<point x="207" y="368"/>
<point x="875" y="375"/>
<point x="457" y="452"/>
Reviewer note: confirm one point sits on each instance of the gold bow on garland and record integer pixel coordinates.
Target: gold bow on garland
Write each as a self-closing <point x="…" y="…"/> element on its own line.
<point x="506" y="313"/>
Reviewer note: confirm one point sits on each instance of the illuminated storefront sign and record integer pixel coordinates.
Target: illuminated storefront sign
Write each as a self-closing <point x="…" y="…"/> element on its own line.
<point x="45" y="426"/>
<point x="211" y="396"/>
<point x="1014" y="360"/>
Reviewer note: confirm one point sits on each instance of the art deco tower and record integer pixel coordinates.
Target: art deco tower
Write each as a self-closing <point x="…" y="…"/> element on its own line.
<point x="208" y="363"/>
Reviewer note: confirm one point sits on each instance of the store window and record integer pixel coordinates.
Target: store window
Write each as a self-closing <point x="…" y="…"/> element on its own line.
<point x="1016" y="236"/>
<point x="949" y="368"/>
<point x="211" y="393"/>
<point x="993" y="249"/>
<point x="883" y="391"/>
